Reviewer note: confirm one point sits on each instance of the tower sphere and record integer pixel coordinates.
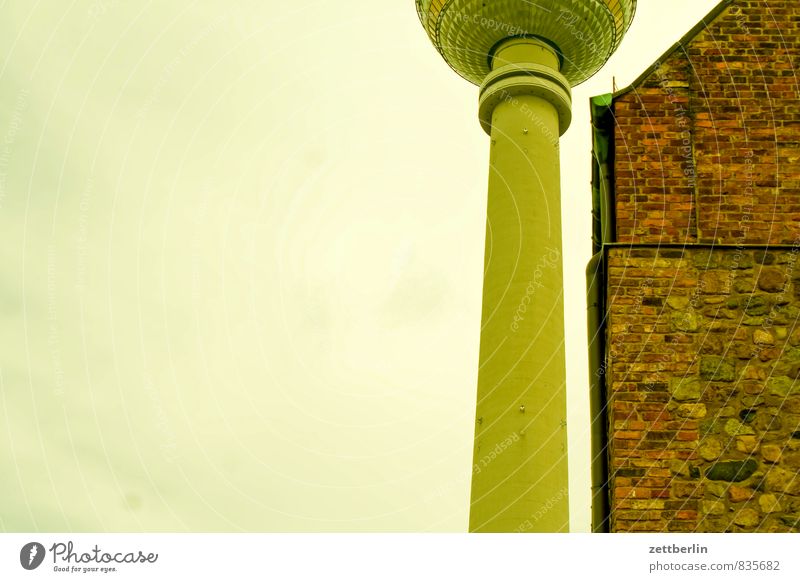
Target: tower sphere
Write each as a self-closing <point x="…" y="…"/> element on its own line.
<point x="584" y="32"/>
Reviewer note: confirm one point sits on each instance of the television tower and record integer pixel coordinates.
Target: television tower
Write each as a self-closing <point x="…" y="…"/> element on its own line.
<point x="525" y="55"/>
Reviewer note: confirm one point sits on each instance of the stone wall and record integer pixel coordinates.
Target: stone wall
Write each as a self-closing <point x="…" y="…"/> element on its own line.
<point x="704" y="397"/>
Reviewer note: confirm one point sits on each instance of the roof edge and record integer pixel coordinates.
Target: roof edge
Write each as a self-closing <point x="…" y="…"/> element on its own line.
<point x="685" y="39"/>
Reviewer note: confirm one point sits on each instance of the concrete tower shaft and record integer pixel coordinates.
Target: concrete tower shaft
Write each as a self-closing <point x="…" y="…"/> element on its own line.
<point x="525" y="55"/>
<point x="521" y="380"/>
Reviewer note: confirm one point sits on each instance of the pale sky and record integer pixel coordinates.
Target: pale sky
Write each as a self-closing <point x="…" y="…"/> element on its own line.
<point x="242" y="245"/>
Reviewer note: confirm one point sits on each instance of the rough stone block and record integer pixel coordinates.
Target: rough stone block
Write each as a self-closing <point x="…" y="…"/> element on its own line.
<point x="714" y="507"/>
<point x="772" y="280"/>
<point x="717" y="369"/>
<point x="685" y="389"/>
<point x="747" y="518"/>
<point x="769" y="503"/>
<point x="732" y="471"/>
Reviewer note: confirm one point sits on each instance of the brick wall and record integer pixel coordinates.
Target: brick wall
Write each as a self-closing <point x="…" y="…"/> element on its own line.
<point x="703" y="341"/>
<point x="708" y="145"/>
